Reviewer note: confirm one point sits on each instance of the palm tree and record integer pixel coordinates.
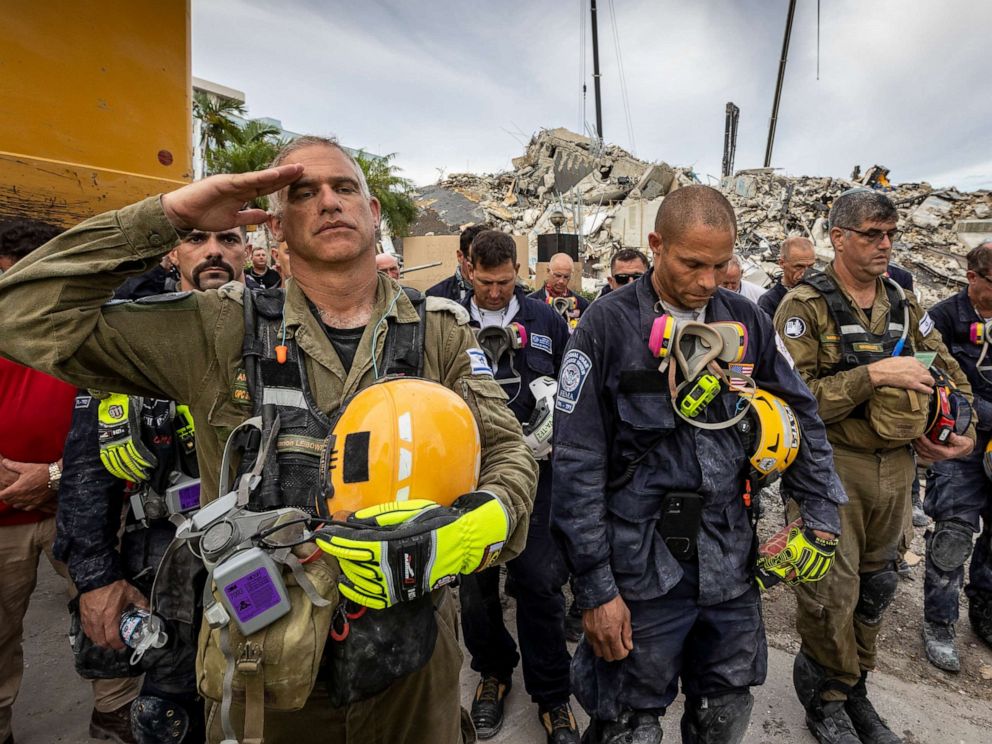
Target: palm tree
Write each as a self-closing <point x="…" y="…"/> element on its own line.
<point x="215" y="112"/>
<point x="249" y="147"/>
<point x="392" y="190"/>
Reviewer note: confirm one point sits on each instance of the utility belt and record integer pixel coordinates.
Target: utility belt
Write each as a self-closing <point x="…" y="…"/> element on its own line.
<point x="181" y="498"/>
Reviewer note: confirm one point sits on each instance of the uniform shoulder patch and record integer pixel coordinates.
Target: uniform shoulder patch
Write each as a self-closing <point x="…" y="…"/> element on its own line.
<point x="479" y="362"/>
<point x="443" y="304"/>
<point x="926" y="324"/>
<point x="795" y="327"/>
<point x="574" y="371"/>
<point x="541" y="342"/>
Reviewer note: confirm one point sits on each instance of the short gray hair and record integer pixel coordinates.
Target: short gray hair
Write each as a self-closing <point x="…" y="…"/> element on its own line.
<point x="980" y="258"/>
<point x="276" y="200"/>
<point x="855" y="207"/>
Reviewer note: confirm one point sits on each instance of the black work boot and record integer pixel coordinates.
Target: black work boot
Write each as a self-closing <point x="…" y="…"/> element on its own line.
<point x="830" y="724"/>
<point x="980" y="615"/>
<point x="869" y="725"/>
<point x="633" y="727"/>
<point x="113" y="726"/>
<point x="938" y="641"/>
<point x="487" y="706"/>
<point x="560" y="725"/>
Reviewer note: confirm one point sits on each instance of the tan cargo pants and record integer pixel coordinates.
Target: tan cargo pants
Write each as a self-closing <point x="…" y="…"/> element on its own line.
<point x="421" y="708"/>
<point x="878" y="492"/>
<point x="21" y="547"/>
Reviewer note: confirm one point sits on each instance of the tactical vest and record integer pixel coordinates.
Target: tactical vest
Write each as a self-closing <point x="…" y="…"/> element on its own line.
<point x="858" y="345"/>
<point x="291" y="475"/>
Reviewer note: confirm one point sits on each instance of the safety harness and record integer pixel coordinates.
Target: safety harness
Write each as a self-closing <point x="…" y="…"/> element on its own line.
<point x="858" y="345"/>
<point x="279" y="388"/>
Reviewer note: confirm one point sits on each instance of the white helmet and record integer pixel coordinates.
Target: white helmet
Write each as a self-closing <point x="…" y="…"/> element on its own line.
<point x="538" y="429"/>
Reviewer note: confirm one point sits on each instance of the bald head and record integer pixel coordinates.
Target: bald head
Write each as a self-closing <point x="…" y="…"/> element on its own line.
<point x="796" y="257"/>
<point x="387" y="264"/>
<point x="559" y="274"/>
<point x="694" y="206"/>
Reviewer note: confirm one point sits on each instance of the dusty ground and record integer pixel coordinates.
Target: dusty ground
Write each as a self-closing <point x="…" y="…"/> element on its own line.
<point x="900" y="643"/>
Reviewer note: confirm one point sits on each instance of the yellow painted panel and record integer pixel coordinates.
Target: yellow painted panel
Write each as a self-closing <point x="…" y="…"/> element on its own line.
<point x="101" y="86"/>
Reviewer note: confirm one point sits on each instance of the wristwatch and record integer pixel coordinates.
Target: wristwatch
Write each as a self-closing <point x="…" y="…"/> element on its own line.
<point x="54" y="476"/>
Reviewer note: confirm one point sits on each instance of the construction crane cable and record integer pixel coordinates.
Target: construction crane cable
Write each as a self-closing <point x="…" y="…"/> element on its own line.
<point x="623" y="78"/>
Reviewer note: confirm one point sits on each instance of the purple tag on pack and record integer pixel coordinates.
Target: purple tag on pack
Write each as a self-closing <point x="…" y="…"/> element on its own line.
<point x="252" y="594"/>
<point x="189" y="497"/>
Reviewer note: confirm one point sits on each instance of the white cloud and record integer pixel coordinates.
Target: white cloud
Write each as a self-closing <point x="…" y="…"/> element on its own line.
<point x="440" y="83"/>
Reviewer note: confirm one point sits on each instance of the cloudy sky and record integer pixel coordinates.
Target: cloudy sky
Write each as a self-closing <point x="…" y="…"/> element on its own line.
<point x="456" y="85"/>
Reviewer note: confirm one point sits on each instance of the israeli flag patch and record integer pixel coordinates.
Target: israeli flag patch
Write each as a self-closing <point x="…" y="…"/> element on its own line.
<point x="574" y="370"/>
<point x="541" y="342"/>
<point x="477" y="359"/>
<point x="926" y="324"/>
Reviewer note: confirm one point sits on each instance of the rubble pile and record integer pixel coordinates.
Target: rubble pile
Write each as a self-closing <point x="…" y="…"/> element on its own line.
<point x="610" y="199"/>
<point x="560" y="172"/>
<point x="939" y="226"/>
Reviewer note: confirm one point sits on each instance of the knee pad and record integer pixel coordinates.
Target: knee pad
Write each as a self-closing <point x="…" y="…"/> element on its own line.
<point x="877" y="592"/>
<point x="633" y="727"/>
<point x="721" y="719"/>
<point x="950" y="544"/>
<point x="155" y="720"/>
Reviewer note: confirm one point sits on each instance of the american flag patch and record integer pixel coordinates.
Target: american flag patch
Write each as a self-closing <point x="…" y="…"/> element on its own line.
<point x="737" y="381"/>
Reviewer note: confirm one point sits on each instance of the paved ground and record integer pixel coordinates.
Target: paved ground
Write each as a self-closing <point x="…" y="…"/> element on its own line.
<point x="55" y="704"/>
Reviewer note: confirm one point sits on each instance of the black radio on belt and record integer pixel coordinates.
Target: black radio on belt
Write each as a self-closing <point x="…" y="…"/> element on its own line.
<point x="681" y="515"/>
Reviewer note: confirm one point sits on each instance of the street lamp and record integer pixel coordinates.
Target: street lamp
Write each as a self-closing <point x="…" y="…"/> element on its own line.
<point x="557" y="219"/>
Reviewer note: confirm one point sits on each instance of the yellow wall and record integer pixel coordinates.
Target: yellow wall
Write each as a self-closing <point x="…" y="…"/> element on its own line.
<point x="94" y="102"/>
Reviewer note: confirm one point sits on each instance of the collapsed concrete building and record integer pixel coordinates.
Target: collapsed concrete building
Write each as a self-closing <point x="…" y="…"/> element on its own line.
<point x="609" y="198"/>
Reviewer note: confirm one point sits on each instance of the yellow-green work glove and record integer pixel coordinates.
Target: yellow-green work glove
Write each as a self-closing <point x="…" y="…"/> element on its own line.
<point x="806" y="558"/>
<point x="121" y="450"/>
<point x="402" y="550"/>
<point x="185" y="428"/>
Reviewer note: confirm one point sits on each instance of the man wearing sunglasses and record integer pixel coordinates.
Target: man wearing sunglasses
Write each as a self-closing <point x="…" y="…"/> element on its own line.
<point x="958" y="495"/>
<point x="857" y="339"/>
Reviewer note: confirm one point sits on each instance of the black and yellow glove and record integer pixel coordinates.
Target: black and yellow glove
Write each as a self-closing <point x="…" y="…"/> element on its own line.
<point x="805" y="558"/>
<point x="119" y="430"/>
<point x="402" y="550"/>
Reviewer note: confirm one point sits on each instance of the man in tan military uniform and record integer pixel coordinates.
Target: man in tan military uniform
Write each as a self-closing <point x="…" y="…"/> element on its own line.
<point x="857" y="358"/>
<point x="189" y="348"/>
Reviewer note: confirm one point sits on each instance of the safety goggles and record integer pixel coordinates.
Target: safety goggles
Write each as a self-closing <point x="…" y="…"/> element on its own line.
<point x="622" y="279"/>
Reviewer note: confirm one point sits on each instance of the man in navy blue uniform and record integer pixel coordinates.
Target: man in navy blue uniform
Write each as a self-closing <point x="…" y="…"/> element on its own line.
<point x="524" y="341"/>
<point x="959" y="495"/>
<point x="560" y="269"/>
<point x="621" y="452"/>
<point x="457" y="286"/>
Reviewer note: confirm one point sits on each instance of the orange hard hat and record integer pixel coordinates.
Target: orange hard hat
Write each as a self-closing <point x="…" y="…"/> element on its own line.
<point x="399" y="439"/>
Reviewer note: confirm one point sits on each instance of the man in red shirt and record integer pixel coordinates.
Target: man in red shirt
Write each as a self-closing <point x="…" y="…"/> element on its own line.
<point x="36" y="411"/>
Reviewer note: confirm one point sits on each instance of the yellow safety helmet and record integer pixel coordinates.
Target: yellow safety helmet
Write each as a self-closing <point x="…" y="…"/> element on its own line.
<point x="399" y="439"/>
<point x="776" y="435"/>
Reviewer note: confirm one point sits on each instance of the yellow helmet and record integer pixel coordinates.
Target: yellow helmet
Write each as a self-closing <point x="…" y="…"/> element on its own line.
<point x="775" y="435"/>
<point x="399" y="439"/>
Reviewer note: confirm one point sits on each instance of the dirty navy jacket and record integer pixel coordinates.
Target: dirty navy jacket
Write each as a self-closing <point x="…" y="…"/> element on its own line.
<point x="547" y="336"/>
<point x="953" y="319"/>
<point x="812" y="338"/>
<point x="613" y="405"/>
<point x="188" y="346"/>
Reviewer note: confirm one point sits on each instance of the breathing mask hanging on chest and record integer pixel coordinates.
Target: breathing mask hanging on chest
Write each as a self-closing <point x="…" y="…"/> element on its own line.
<point x="979" y="334"/>
<point x="498" y="342"/>
<point x="696" y="349"/>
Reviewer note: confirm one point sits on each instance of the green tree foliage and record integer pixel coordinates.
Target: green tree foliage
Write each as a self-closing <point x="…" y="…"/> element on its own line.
<point x="249" y="147"/>
<point x="215" y="114"/>
<point x="392" y="190"/>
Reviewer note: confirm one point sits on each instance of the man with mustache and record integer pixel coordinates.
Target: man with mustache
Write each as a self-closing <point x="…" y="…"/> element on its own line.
<point x="133" y="451"/>
<point x="333" y="321"/>
<point x="857" y="340"/>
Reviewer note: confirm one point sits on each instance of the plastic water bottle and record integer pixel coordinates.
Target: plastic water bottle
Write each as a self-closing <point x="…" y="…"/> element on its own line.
<point x="141" y="631"/>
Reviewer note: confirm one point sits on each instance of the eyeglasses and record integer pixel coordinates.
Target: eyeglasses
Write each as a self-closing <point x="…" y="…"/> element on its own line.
<point x="875" y="235"/>
<point x="622" y="279"/>
<point x="983" y="277"/>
